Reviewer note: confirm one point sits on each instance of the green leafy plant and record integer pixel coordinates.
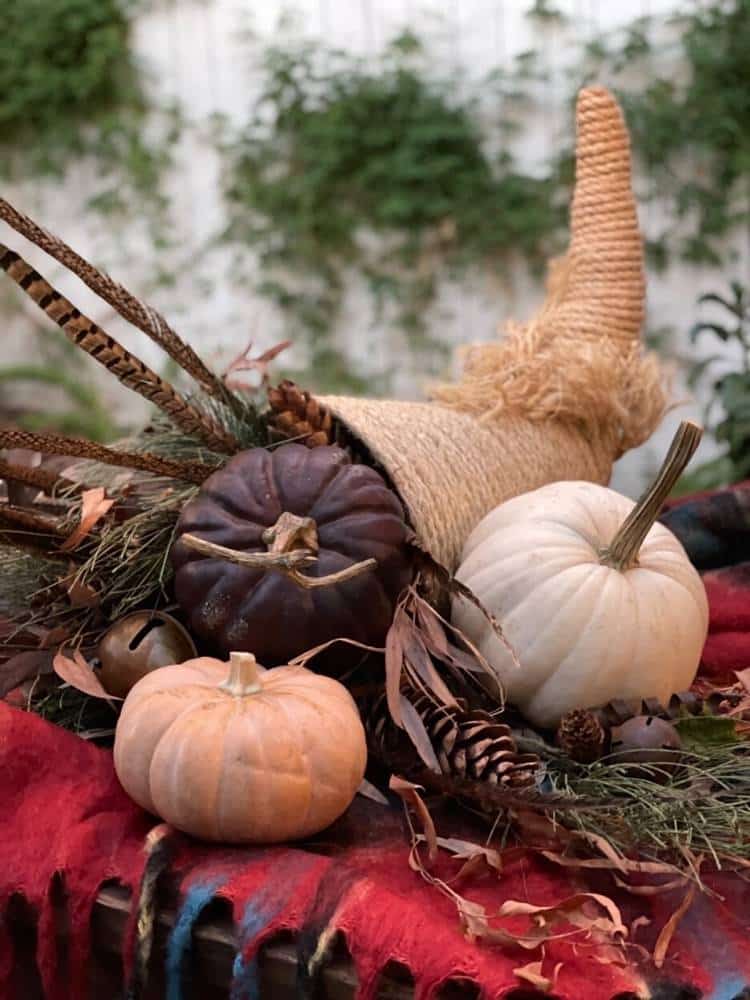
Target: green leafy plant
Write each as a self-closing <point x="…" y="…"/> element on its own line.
<point x="336" y="151"/>
<point x="70" y="87"/>
<point x="728" y="411"/>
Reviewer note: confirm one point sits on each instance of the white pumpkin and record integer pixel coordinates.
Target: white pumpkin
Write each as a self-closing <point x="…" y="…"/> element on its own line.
<point x="596" y="600"/>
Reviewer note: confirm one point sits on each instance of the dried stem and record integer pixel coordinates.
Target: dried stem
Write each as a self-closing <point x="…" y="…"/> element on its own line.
<point x="622" y="552"/>
<point x="58" y="444"/>
<point x="105" y="350"/>
<point x="288" y="563"/>
<point x="141" y="315"/>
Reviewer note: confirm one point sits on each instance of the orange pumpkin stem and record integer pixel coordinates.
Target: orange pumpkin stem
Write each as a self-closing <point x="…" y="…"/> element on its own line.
<point x="622" y="552"/>
<point x="244" y="678"/>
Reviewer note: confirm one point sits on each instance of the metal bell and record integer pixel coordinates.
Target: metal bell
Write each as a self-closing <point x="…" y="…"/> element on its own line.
<point x="139" y="643"/>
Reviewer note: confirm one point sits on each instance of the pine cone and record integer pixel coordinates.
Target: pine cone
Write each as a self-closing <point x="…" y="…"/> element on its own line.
<point x="581" y="736"/>
<point x="468" y="744"/>
<point x="297" y="414"/>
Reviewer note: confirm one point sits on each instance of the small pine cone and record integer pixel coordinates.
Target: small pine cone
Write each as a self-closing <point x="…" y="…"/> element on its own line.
<point x="581" y="736"/>
<point x="484" y="750"/>
<point x="468" y="744"/>
<point x="297" y="414"/>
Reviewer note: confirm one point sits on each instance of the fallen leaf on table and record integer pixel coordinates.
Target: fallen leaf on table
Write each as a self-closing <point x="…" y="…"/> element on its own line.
<point x="582" y="909"/>
<point x="667" y="932"/>
<point x="532" y="973"/>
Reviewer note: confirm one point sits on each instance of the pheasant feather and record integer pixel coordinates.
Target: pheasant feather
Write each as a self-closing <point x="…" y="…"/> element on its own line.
<point x="132" y="372"/>
<point x="141" y="315"/>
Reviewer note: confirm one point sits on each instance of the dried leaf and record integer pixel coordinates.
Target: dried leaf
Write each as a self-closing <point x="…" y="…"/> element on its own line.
<point x="79" y="674"/>
<point x="23" y="667"/>
<point x="642" y="921"/>
<point x="575" y="909"/>
<point x="369" y="791"/>
<point x="82" y="595"/>
<point x="466" y="849"/>
<point x="53" y="637"/>
<point x="94" y="505"/>
<point x="476" y="926"/>
<point x="394" y="660"/>
<point x="434" y="632"/>
<point x="532" y="973"/>
<point x="416" y="654"/>
<point x="409" y="793"/>
<point x="620" y="864"/>
<point x="667" y="932"/>
<point x="244" y="363"/>
<point x="652" y="890"/>
<point x="415" y="730"/>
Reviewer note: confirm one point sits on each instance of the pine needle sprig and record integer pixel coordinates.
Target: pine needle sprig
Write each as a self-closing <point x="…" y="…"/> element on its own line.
<point x="701" y="803"/>
<point x="128" y="564"/>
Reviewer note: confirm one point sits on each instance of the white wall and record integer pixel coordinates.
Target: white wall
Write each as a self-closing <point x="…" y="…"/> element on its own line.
<point x="193" y="54"/>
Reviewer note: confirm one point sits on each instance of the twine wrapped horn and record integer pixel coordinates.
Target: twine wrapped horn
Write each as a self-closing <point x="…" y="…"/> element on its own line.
<point x="561" y="397"/>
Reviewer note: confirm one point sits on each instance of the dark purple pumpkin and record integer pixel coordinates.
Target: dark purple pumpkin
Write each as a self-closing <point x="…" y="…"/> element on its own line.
<point x="262" y="611"/>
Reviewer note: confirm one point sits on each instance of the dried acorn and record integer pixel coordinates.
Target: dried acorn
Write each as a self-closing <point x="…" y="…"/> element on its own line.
<point x="646" y="739"/>
<point x="136" y="645"/>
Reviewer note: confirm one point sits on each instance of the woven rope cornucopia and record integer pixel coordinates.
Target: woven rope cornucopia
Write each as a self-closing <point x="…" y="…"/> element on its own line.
<point x="561" y="397"/>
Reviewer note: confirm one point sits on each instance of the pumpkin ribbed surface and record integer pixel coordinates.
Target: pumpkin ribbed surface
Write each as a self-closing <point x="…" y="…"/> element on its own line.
<point x="356" y="516"/>
<point x="276" y="764"/>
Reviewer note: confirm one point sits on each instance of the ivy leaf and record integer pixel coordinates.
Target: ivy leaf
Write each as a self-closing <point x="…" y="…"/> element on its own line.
<point x="698" y="732"/>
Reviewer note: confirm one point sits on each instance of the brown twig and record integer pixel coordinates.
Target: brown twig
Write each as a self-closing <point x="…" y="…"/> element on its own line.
<point x="105" y="350"/>
<point x="288" y="563"/>
<point x="141" y="315"/>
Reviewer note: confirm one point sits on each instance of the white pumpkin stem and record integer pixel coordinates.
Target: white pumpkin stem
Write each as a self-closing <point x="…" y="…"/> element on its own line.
<point x="622" y="553"/>
<point x="244" y="677"/>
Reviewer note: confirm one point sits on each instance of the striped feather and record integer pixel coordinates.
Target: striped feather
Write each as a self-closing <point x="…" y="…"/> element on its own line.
<point x="128" y="306"/>
<point x="129" y="370"/>
<point x="59" y="444"/>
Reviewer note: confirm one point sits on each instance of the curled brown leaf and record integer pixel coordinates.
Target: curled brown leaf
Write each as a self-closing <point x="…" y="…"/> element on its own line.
<point x="80" y="675"/>
<point x="409" y="793"/>
<point x="667" y="932"/>
<point x="94" y="505"/>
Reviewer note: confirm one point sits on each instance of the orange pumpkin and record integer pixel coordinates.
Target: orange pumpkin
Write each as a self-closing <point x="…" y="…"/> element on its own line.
<point x="239" y="754"/>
